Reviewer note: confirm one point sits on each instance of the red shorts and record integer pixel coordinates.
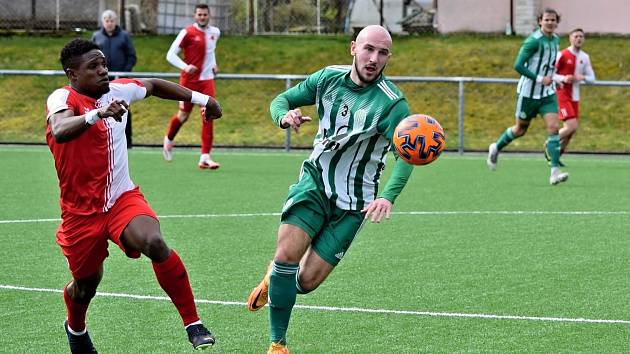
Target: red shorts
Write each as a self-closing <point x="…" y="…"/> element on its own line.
<point x="568" y="109"/>
<point x="206" y="87"/>
<point x="83" y="238"/>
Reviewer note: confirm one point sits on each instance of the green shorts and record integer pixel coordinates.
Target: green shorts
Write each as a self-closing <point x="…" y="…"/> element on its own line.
<point x="331" y="229"/>
<point x="528" y="108"/>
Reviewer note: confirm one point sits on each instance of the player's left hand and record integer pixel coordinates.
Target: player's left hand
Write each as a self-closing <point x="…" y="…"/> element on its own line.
<point x="212" y="110"/>
<point x="377" y="210"/>
<point x="215" y="69"/>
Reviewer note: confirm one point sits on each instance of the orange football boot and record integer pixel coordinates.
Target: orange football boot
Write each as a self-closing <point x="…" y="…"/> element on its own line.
<point x="259" y="296"/>
<point x="277" y="348"/>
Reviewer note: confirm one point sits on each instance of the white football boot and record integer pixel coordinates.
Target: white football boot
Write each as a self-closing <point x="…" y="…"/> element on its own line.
<point x="493" y="156"/>
<point x="167" y="149"/>
<point x="557" y="176"/>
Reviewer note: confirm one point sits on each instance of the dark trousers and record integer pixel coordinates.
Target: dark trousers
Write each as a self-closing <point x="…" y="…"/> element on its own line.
<point x="128" y="130"/>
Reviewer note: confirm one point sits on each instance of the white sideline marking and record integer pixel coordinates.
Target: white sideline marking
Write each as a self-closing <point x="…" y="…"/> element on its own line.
<point x="345" y="309"/>
<point x="445" y="213"/>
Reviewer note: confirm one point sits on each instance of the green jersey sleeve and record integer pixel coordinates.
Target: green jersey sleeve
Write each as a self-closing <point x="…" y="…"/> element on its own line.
<point x="528" y="49"/>
<point x="303" y="94"/>
<point x="402" y="170"/>
<point x="397" y="181"/>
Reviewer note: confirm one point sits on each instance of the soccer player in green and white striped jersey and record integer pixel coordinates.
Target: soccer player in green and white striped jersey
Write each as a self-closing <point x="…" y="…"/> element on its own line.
<point x="536" y="92"/>
<point x="337" y="191"/>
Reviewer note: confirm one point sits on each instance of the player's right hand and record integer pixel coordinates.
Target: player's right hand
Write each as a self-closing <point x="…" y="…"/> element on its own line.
<point x="212" y="110"/>
<point x="294" y="119"/>
<point x="190" y="69"/>
<point x="115" y="109"/>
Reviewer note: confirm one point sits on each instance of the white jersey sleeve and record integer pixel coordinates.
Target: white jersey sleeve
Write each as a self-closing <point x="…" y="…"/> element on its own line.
<point x="172" y="56"/>
<point x="57" y="102"/>
<point x="589" y="74"/>
<point x="129" y="90"/>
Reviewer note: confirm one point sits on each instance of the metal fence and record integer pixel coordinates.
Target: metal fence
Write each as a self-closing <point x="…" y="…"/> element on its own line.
<point x="289" y="80"/>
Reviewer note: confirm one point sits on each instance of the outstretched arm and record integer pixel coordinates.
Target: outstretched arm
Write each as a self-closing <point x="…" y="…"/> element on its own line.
<point x="172" y="91"/>
<point x="381" y="207"/>
<point x="284" y="108"/>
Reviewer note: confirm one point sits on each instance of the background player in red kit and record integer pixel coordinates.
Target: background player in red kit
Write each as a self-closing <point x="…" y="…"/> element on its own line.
<point x="573" y="66"/>
<point x="99" y="202"/>
<point x="199" y="66"/>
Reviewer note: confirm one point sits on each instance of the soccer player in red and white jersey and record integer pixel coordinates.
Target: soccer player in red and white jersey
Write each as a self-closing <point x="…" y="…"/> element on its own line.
<point x="199" y="67"/>
<point x="99" y="202"/>
<point x="573" y="67"/>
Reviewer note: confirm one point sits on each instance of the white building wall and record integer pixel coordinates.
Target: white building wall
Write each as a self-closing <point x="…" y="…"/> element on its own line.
<point x="472" y="15"/>
<point x="609" y="16"/>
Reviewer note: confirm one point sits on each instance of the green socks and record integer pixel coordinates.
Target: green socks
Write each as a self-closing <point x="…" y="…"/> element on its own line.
<point x="553" y="149"/>
<point x="505" y="138"/>
<point x="282" y="294"/>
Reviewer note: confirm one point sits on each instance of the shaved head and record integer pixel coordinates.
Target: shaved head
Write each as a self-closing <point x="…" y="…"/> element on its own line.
<point x="371" y="51"/>
<point x="376" y="33"/>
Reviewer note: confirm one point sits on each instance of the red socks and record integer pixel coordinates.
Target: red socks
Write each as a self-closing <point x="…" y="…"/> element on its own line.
<point x="206" y="136"/>
<point x="75" y="311"/>
<point x="173" y="127"/>
<point x="173" y="278"/>
<point x="207" y="133"/>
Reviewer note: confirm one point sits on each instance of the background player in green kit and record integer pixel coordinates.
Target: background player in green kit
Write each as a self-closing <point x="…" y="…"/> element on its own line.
<point x="337" y="190"/>
<point x="536" y="93"/>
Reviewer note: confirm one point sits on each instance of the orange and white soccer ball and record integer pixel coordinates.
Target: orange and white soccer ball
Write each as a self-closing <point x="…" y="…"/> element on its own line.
<point x="419" y="139"/>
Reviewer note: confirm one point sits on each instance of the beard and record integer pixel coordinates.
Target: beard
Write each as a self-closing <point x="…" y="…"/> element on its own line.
<point x="101" y="90"/>
<point x="363" y="78"/>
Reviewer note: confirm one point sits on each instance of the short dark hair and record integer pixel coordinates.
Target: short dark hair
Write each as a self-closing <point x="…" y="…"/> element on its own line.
<point x="577" y="30"/>
<point x="549" y="10"/>
<point x="202" y="6"/>
<point x="75" y="48"/>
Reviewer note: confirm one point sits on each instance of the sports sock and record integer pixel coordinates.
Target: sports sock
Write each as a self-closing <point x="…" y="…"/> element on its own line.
<point x="206" y="136"/>
<point x="173" y="278"/>
<point x="282" y="293"/>
<point x="173" y="127"/>
<point x="75" y="311"/>
<point x="553" y="149"/>
<point x="505" y="138"/>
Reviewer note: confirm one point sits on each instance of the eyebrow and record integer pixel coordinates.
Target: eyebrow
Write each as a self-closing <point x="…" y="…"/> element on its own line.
<point x="375" y="47"/>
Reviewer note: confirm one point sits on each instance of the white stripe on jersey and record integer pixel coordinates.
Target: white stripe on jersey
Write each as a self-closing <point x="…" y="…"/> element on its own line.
<point x="383" y="86"/>
<point x="110" y="167"/>
<point x="118" y="179"/>
<point x="340" y="68"/>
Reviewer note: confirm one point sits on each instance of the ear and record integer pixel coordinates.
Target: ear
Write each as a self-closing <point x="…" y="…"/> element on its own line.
<point x="71" y="74"/>
<point x="353" y="46"/>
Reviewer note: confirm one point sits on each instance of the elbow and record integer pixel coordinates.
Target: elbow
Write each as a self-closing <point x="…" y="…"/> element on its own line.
<point x="59" y="138"/>
<point x="58" y="135"/>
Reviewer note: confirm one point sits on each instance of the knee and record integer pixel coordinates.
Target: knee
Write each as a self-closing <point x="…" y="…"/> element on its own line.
<point x="155" y="248"/>
<point x="519" y="131"/>
<point x="287" y="255"/>
<point x="83" y="293"/>
<point x="183" y="116"/>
